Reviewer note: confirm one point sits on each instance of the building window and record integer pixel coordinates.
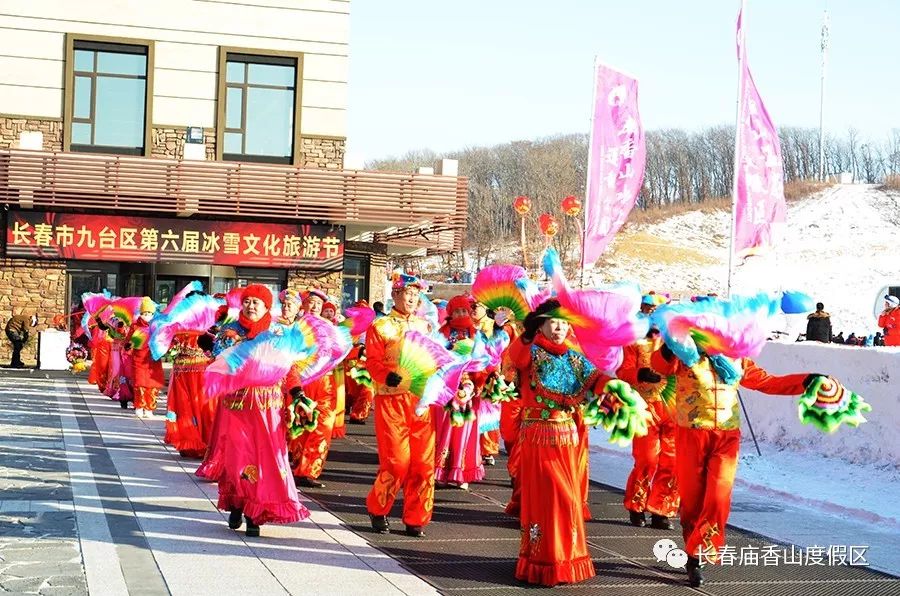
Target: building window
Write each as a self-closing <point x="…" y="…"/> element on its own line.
<point x="110" y="85"/>
<point x="356" y="280"/>
<point x="260" y="107"/>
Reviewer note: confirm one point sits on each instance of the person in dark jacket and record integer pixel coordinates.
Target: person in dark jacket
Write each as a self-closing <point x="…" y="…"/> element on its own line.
<point x="838" y="339"/>
<point x="17" y="334"/>
<point x="818" y="325"/>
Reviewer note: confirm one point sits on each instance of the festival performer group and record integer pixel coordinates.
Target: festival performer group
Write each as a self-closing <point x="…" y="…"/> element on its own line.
<point x="260" y="387"/>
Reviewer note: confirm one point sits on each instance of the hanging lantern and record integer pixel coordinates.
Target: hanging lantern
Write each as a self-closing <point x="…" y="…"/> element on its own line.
<point x="571" y="206"/>
<point x="522" y="204"/>
<point x="549" y="225"/>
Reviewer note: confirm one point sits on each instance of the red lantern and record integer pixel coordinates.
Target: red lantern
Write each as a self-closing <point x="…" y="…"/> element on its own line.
<point x="522" y="204"/>
<point x="549" y="225"/>
<point x="571" y="206"/>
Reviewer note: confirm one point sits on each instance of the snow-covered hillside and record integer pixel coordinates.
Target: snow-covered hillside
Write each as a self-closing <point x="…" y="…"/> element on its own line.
<point x="841" y="246"/>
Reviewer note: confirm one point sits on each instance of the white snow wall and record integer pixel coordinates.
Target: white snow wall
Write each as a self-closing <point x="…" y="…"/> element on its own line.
<point x="874" y="373"/>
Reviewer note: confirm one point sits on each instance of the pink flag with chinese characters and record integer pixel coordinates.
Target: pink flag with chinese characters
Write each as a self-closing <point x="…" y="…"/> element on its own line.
<point x="615" y="161"/>
<point x="759" y="208"/>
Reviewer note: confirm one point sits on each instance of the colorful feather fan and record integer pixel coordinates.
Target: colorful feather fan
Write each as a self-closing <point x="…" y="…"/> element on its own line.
<point x="827" y="404"/>
<point x="506" y="286"/>
<point x="488" y="415"/>
<point x="420" y="358"/>
<point x="358" y="320"/>
<point x="138" y="338"/>
<point x="263" y="361"/>
<point x="119" y="314"/>
<point x="428" y="310"/>
<point x="194" y="286"/>
<point x="92" y="303"/>
<point x="194" y="314"/>
<point x="734" y="328"/>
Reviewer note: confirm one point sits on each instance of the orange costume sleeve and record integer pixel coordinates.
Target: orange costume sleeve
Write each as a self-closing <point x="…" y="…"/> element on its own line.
<point x="758" y="379"/>
<point x="375" y="356"/>
<point x="628" y="371"/>
<point x="663" y="366"/>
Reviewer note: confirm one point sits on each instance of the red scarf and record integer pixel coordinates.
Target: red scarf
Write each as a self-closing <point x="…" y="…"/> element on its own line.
<point x="553" y="348"/>
<point x="254" y="328"/>
<point x="459" y="324"/>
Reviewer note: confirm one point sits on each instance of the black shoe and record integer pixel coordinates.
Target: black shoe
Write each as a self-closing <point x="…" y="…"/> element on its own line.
<point x="489" y="460"/>
<point x="660" y="522"/>
<point x="695" y="578"/>
<point x="379" y="523"/>
<point x="307" y="482"/>
<point x="637" y="519"/>
<point x="415" y="531"/>
<point x="357" y="421"/>
<point x="252" y="529"/>
<point x="123" y="404"/>
<point x="234" y="518"/>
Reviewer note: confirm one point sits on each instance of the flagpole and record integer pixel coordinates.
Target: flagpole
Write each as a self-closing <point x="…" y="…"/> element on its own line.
<point x="737" y="141"/>
<point x="824" y="48"/>
<point x="587" y="180"/>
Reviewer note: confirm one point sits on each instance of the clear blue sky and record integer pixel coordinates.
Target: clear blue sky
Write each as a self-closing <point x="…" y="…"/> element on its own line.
<point x="447" y="75"/>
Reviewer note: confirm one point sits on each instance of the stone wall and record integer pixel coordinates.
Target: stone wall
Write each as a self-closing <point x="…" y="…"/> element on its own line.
<point x="11" y="126"/>
<point x="322" y="153"/>
<point x="331" y="282"/>
<point x="30" y="287"/>
<point x="169" y="142"/>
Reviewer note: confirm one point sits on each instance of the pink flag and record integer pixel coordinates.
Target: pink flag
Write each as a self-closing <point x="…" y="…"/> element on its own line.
<point x="759" y="208"/>
<point x="616" y="160"/>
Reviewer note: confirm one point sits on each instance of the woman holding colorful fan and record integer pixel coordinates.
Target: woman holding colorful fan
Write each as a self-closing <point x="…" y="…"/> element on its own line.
<point x="254" y="477"/>
<point x="708" y="345"/>
<point x="146" y="373"/>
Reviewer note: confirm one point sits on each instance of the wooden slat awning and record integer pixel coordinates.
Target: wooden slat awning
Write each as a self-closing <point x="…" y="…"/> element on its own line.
<point x="50" y="180"/>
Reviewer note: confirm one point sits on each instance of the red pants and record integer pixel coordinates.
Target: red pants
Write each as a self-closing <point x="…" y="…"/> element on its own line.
<point x="705" y="466"/>
<point x="510" y="420"/>
<point x="362" y="401"/>
<point x="145" y="398"/>
<point x="490" y="442"/>
<point x="405" y="459"/>
<point x="310" y="450"/>
<point x="651" y="485"/>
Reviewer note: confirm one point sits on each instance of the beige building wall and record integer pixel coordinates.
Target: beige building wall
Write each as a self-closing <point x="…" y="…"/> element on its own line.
<point x="187" y="35"/>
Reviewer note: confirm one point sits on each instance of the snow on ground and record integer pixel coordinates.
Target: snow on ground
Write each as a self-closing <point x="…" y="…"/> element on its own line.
<point x="840" y="246"/>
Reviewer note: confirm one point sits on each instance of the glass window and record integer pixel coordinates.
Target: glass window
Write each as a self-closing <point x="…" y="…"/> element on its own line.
<point x="260" y="98"/>
<point x="356" y="280"/>
<point x="110" y="97"/>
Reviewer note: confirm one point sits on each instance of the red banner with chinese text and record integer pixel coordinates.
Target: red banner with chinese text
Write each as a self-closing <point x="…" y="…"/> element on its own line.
<point x="44" y="235"/>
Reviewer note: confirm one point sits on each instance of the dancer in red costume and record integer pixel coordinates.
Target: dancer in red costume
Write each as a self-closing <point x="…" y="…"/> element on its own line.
<point x="309" y="451"/>
<point x="405" y="440"/>
<point x="707" y="409"/>
<point x="651" y="485"/>
<point x="555" y="381"/>
<point x="254" y="476"/>
<point x="457" y="449"/>
<point x="146" y="373"/>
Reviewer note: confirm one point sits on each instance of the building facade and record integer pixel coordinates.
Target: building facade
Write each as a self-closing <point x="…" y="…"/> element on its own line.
<point x="146" y="144"/>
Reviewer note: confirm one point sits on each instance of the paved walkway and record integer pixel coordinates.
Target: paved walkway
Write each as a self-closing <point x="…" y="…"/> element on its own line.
<point x="93" y="501"/>
<point x="79" y="473"/>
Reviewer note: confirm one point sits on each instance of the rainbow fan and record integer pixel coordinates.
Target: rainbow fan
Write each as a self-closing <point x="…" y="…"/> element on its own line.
<point x="92" y="304"/>
<point x="262" y="361"/>
<point x="420" y="358"/>
<point x="194" y="286"/>
<point x="322" y="338"/>
<point x="428" y="310"/>
<point x="506" y="286"/>
<point x="138" y="337"/>
<point x="194" y="314"/>
<point x="360" y="374"/>
<point x="827" y="404"/>
<point x="620" y="410"/>
<point x="735" y="328"/>
<point x="119" y="314"/>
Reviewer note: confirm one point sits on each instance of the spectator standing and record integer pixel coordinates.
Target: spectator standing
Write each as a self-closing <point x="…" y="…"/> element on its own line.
<point x="17" y="333"/>
<point x="889" y="320"/>
<point x="818" y="325"/>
